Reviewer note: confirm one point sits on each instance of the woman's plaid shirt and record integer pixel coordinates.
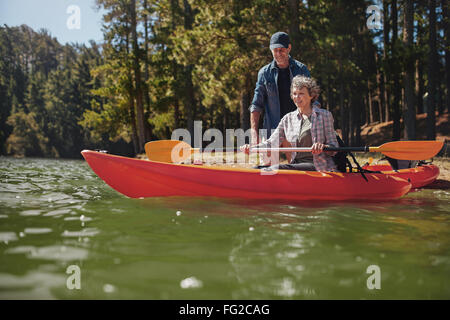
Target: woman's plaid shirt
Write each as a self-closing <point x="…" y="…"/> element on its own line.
<point x="322" y="131"/>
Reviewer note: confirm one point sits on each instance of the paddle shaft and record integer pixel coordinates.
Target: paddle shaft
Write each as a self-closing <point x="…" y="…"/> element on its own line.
<point x="291" y="149"/>
<point x="286" y="149"/>
<point x="164" y="150"/>
<point x="294" y="149"/>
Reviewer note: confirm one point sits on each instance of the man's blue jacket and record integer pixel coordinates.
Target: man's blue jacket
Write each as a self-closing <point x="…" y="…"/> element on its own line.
<point x="266" y="92"/>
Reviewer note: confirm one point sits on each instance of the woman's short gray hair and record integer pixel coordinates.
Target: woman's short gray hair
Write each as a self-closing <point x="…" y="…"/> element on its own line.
<point x="300" y="82"/>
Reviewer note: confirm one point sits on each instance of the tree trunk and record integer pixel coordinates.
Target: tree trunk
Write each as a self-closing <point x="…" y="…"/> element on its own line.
<point x="369" y="101"/>
<point x="366" y="115"/>
<point x="294" y="28"/>
<point x="189" y="104"/>
<point x="396" y="114"/>
<point x="439" y="89"/>
<point x="420" y="64"/>
<point x="174" y="6"/>
<point x="225" y="119"/>
<point x="419" y="86"/>
<point x="244" y="113"/>
<point x="177" y="113"/>
<point x="189" y="99"/>
<point x="350" y="121"/>
<point x="137" y="79"/>
<point x="446" y="25"/>
<point x="409" y="109"/>
<point x="357" y="121"/>
<point x="330" y="105"/>
<point x="386" y="45"/>
<point x="380" y="88"/>
<point x="342" y="113"/>
<point x="432" y="59"/>
<point x="134" y="134"/>
<point x="148" y="128"/>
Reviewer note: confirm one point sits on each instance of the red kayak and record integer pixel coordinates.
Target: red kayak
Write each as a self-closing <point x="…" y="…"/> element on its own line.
<point x="143" y="178"/>
<point x="419" y="176"/>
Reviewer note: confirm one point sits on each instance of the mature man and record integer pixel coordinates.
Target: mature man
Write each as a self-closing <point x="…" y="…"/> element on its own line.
<point x="272" y="92"/>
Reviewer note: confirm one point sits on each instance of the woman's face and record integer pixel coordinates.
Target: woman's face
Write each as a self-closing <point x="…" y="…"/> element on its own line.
<point x="302" y="99"/>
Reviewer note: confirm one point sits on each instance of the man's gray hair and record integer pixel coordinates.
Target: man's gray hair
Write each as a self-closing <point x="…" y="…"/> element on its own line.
<point x="300" y="82"/>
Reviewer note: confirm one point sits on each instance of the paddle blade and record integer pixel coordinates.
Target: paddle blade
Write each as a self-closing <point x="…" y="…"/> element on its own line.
<point x="410" y="150"/>
<point x="171" y="151"/>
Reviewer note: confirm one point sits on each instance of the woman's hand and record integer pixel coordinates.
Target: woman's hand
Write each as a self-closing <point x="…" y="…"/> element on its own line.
<point x="245" y="148"/>
<point x="317" y="148"/>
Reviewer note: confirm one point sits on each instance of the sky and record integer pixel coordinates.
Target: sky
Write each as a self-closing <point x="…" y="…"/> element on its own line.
<point x="67" y="20"/>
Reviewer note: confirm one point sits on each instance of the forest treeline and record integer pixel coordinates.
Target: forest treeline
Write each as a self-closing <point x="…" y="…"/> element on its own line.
<point x="164" y="64"/>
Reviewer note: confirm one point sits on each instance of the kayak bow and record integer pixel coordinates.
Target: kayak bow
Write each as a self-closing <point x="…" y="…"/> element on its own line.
<point x="419" y="176"/>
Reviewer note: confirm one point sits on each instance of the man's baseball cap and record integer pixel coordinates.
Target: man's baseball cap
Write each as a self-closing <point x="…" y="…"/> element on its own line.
<point x="279" y="40"/>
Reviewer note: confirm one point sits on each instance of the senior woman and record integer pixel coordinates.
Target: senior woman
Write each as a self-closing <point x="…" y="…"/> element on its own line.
<point x="308" y="126"/>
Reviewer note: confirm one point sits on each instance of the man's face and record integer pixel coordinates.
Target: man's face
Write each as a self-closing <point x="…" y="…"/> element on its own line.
<point x="281" y="56"/>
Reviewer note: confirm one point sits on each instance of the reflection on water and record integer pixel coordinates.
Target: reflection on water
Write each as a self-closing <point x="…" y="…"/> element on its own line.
<point x="57" y="213"/>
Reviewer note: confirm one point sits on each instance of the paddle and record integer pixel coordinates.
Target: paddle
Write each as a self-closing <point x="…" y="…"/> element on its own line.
<point x="176" y="151"/>
<point x="173" y="150"/>
<point x="168" y="150"/>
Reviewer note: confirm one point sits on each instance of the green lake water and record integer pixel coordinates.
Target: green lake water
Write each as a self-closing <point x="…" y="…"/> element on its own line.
<point x="57" y="214"/>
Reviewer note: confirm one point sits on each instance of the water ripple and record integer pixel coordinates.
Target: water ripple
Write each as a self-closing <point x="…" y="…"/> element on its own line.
<point x="56" y="252"/>
<point x="54" y="213"/>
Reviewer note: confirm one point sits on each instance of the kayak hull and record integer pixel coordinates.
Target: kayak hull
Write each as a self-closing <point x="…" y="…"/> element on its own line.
<point x="142" y="178"/>
<point x="419" y="177"/>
